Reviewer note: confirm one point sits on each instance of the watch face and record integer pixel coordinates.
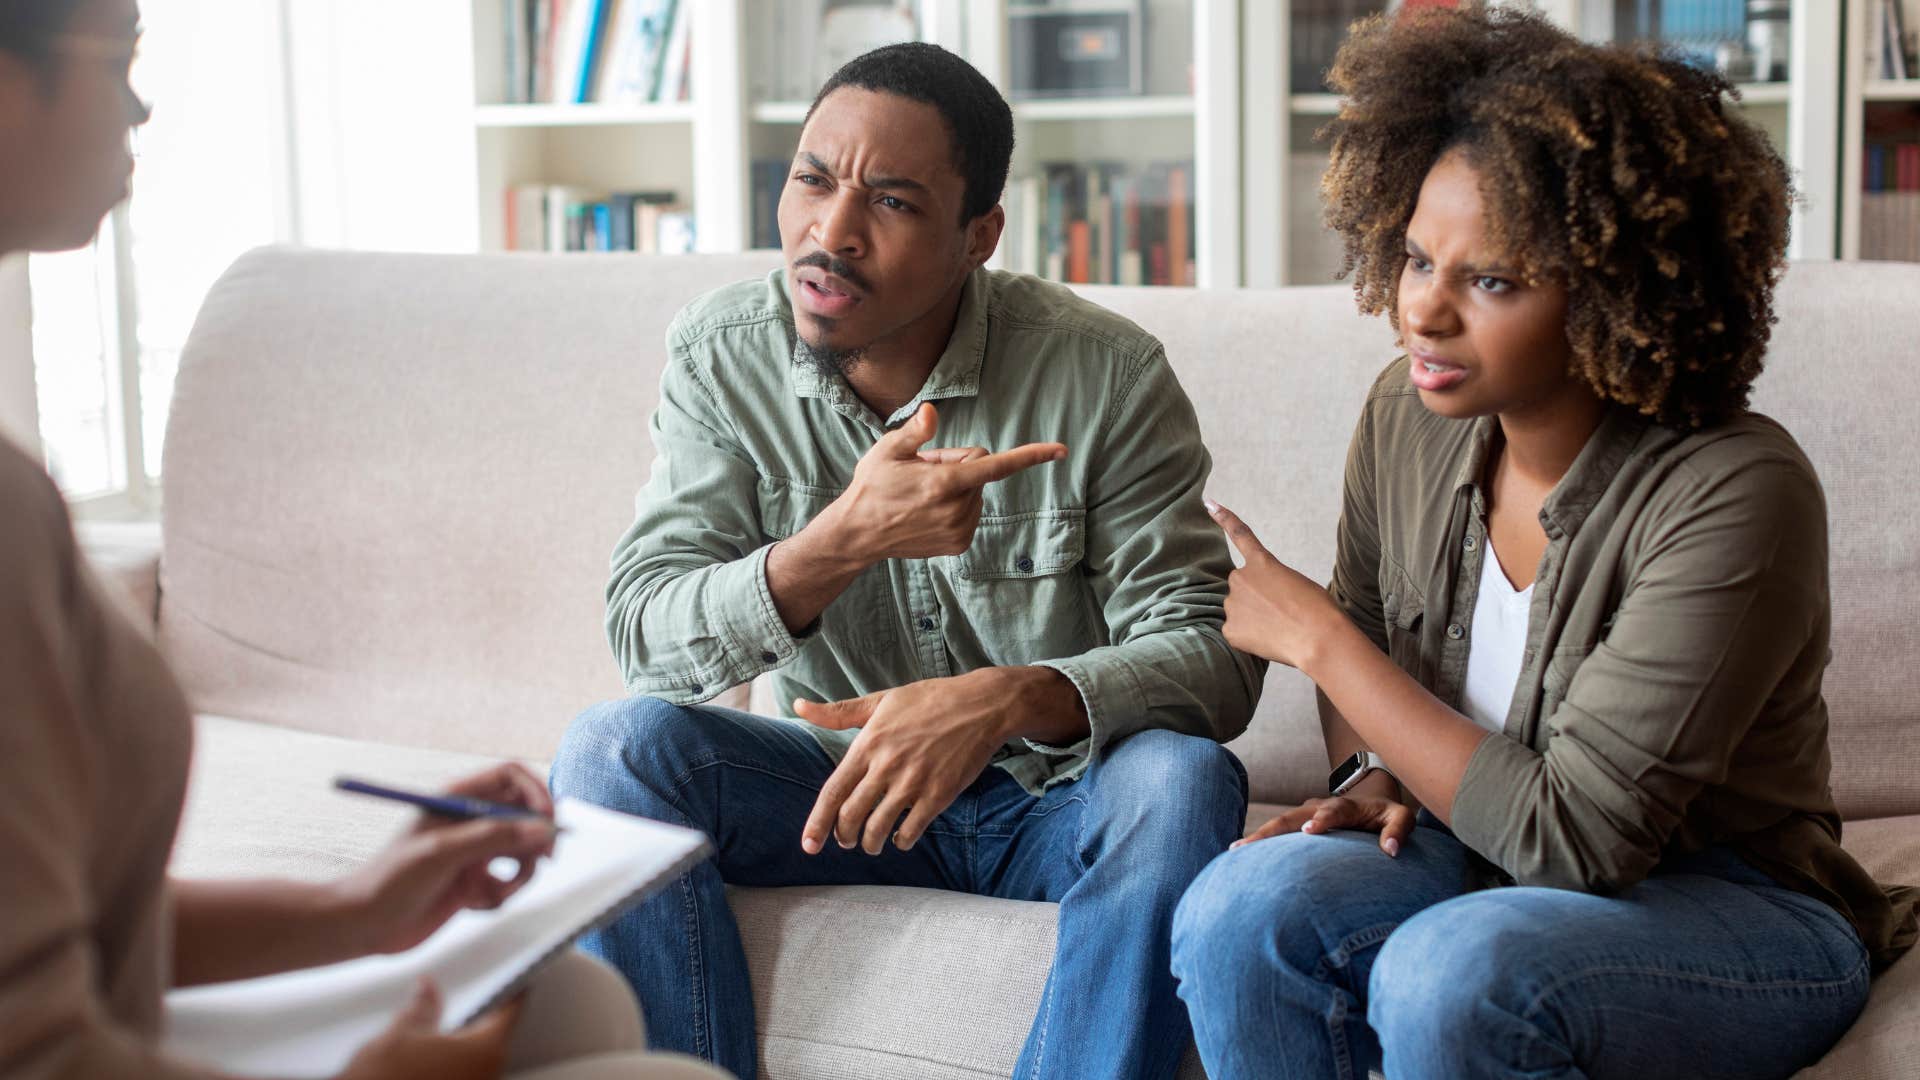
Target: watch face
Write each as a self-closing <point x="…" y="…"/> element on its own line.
<point x="1344" y="772"/>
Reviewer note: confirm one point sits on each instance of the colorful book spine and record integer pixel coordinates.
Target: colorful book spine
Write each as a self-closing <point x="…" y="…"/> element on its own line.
<point x="595" y="31"/>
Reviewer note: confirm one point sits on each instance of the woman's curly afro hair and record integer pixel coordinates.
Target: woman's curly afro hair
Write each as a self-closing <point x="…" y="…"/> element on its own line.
<point x="1623" y="173"/>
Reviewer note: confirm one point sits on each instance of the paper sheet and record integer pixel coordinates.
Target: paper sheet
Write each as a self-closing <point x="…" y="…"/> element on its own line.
<point x="310" y="1023"/>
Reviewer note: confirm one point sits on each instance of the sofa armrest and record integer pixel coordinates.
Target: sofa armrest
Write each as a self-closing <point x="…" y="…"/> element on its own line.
<point x="125" y="556"/>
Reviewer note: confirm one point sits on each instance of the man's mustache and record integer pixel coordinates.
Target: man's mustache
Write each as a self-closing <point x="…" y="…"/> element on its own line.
<point x="838" y="267"/>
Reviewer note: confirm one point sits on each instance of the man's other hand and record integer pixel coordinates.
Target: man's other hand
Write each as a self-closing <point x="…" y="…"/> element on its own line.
<point x="920" y="745"/>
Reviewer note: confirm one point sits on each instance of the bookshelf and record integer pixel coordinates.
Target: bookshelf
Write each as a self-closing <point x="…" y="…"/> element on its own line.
<point x="1883" y="115"/>
<point x="1211" y="68"/>
<point x="1286" y="243"/>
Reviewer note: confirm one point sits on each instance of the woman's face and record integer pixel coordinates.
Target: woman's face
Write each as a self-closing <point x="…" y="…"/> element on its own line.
<point x="64" y="159"/>
<point x="1481" y="340"/>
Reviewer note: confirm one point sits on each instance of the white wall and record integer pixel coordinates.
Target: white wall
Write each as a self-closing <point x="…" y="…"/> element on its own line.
<point x="382" y="148"/>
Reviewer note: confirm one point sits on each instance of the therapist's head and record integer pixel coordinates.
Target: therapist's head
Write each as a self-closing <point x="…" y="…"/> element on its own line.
<point x="65" y="112"/>
<point x="1542" y="218"/>
<point x="893" y="197"/>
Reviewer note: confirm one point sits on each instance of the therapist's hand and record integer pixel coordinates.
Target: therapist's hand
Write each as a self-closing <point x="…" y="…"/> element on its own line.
<point x="439" y="867"/>
<point x="413" y="1045"/>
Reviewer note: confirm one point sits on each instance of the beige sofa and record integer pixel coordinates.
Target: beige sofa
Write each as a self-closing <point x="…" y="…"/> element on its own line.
<point x="392" y="484"/>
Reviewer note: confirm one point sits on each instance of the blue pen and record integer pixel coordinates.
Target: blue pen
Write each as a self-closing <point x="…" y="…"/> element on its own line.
<point x="450" y="806"/>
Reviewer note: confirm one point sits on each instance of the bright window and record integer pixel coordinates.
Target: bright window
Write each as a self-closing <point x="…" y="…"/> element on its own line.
<point x="211" y="182"/>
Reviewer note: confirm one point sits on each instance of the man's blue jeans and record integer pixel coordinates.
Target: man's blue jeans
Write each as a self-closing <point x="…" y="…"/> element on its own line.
<point x="1319" y="956"/>
<point x="1115" y="849"/>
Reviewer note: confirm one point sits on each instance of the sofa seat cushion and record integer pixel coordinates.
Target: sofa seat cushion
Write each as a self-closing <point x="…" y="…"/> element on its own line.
<point x="880" y="981"/>
<point x="868" y="981"/>
<point x="1885" y="1041"/>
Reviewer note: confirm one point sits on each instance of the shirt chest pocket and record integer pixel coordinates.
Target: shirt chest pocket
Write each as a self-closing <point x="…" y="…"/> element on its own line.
<point x="865" y="614"/>
<point x="1404" y="609"/>
<point x="1022" y="586"/>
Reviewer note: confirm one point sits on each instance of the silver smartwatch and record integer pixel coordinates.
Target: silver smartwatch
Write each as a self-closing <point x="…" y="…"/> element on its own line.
<point x="1353" y="770"/>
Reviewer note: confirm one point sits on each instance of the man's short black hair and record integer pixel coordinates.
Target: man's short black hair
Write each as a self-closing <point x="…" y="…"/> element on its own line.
<point x="978" y="120"/>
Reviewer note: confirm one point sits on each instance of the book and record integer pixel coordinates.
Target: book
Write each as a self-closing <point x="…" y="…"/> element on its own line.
<point x="594" y="31"/>
<point x="1179" y="238"/>
<point x="800" y="30"/>
<point x="768" y="178"/>
<point x="515" y="30"/>
<point x="526" y="227"/>
<point x="674" y="233"/>
<point x="1079" y="251"/>
<point x="670" y="80"/>
<point x="567" y="48"/>
<point x="543" y="14"/>
<point x="636" y="40"/>
<point x="310" y="1023"/>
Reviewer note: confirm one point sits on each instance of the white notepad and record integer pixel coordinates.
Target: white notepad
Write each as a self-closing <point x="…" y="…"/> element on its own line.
<point x="310" y="1023"/>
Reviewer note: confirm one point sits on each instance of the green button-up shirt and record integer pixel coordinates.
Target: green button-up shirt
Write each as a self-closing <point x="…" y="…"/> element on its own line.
<point x="1104" y="567"/>
<point x="1669" y="697"/>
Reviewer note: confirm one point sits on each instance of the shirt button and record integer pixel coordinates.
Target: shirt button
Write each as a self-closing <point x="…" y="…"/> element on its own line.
<point x="769" y="657"/>
<point x="1470" y="542"/>
<point x="926" y="623"/>
<point x="1456" y="631"/>
<point x="698" y="689"/>
<point x="1025" y="565"/>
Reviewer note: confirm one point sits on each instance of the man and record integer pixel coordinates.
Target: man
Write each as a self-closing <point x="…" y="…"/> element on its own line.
<point x="1009" y="665"/>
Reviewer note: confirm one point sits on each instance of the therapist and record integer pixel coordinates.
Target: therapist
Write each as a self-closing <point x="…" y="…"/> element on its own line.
<point x="95" y="735"/>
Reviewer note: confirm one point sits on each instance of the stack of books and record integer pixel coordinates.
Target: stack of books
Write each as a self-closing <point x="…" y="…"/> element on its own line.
<point x="1103" y="223"/>
<point x="572" y="52"/>
<point x="1890" y="207"/>
<point x="555" y="217"/>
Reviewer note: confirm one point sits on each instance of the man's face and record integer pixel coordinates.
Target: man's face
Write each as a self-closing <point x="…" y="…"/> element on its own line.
<point x="870" y="223"/>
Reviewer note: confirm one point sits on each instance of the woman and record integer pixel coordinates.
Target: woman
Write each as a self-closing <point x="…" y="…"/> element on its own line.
<point x="94" y="733"/>
<point x="1579" y="609"/>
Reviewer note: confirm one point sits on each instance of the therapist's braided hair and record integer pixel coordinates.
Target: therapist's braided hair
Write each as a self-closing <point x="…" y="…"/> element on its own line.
<point x="1622" y="172"/>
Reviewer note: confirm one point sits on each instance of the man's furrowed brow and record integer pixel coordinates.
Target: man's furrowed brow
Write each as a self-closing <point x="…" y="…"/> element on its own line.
<point x="886" y="183"/>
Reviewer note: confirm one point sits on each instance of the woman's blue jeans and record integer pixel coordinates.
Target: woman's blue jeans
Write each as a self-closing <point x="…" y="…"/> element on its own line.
<point x="1320" y="956"/>
<point x="1115" y="849"/>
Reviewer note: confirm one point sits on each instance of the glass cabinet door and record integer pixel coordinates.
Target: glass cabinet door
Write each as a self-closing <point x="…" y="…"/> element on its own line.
<point x="1747" y="40"/>
<point x="791" y="48"/>
<point x="1104" y="183"/>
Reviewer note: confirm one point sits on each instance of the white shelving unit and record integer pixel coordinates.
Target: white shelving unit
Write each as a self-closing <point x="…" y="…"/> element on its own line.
<point x="1286" y="245"/>
<point x="703" y="147"/>
<point x="1862" y="94"/>
<point x="1214" y="71"/>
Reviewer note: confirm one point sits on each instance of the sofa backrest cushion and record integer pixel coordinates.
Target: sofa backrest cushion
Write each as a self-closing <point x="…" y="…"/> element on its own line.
<point x="392" y="483"/>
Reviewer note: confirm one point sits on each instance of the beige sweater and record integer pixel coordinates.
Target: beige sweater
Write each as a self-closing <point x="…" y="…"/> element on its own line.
<point x="94" y="742"/>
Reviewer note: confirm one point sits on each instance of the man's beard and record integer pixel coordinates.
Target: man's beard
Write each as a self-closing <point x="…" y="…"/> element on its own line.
<point x="831" y="362"/>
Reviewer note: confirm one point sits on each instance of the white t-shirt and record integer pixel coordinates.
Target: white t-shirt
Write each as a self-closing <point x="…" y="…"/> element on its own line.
<point x="1497" y="647"/>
